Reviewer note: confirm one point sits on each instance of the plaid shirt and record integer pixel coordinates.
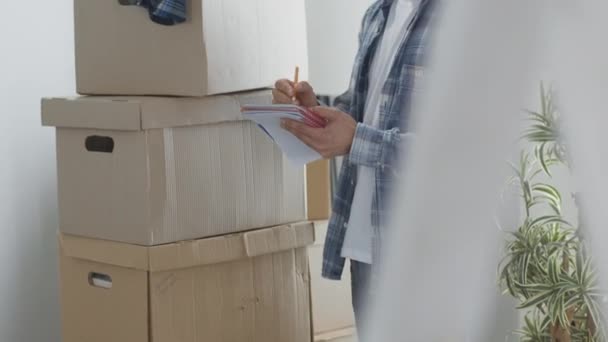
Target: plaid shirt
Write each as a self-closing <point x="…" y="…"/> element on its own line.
<point x="164" y="12"/>
<point x="376" y="147"/>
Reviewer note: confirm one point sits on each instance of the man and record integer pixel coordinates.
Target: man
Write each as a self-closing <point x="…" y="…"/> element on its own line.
<point x="369" y="126"/>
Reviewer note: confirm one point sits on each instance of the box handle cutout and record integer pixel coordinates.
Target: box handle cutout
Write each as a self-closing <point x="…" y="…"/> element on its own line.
<point x="129" y="2"/>
<point x="103" y="281"/>
<point x="95" y="143"/>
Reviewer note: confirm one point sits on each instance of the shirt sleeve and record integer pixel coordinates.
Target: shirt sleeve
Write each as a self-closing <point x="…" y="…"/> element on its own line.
<point x="342" y="102"/>
<point x="377" y="148"/>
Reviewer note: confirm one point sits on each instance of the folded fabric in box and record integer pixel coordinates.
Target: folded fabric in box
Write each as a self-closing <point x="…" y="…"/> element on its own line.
<point x="164" y="12"/>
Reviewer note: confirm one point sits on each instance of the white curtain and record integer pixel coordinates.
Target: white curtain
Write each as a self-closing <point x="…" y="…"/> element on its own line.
<point x="439" y="282"/>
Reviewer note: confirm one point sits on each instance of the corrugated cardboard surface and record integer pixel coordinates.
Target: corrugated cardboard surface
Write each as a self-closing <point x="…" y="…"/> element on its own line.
<point x="318" y="190"/>
<point x="260" y="299"/>
<point x="224" y="46"/>
<point x="95" y="314"/>
<point x="264" y="298"/>
<point x="161" y="185"/>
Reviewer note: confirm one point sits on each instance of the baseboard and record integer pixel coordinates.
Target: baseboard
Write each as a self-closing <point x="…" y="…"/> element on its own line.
<point x="332" y="335"/>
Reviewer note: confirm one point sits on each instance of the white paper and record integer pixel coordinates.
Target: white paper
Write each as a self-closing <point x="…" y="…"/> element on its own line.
<point x="294" y="149"/>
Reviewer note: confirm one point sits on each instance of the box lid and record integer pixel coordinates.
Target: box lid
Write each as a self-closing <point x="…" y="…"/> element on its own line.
<point x="135" y="113"/>
<point x="190" y="253"/>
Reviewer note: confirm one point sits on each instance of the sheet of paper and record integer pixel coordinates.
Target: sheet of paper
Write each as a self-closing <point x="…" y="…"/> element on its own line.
<point x="293" y="148"/>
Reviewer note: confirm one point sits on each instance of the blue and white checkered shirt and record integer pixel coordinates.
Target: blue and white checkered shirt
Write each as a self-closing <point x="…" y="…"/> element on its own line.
<point x="379" y="147"/>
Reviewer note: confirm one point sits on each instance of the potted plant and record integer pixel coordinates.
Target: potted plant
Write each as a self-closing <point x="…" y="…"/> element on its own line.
<point x="546" y="266"/>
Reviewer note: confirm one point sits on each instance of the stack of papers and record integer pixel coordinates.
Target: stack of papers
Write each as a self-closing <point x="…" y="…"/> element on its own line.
<point x="268" y="118"/>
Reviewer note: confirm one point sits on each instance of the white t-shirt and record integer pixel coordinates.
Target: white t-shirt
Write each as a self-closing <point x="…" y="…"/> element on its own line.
<point x="358" y="241"/>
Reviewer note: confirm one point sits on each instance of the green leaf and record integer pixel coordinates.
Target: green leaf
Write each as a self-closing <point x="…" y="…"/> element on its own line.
<point x="517" y="171"/>
<point x="548" y="219"/>
<point x="549" y="190"/>
<point x="557" y="210"/>
<point x="524" y="268"/>
<point x="550" y="200"/>
<point x="540" y="129"/>
<point x="535" y="300"/>
<point x="540" y="137"/>
<point x="573" y="301"/>
<point x="579" y="267"/>
<point x="543" y="99"/>
<point x="554" y="268"/>
<point x="541" y="157"/>
<point x="535" y="116"/>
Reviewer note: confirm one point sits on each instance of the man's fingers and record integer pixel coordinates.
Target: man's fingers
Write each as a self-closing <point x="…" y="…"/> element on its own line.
<point x="303" y="88"/>
<point x="306" y="94"/>
<point x="294" y="128"/>
<point x="302" y="130"/>
<point x="285" y="86"/>
<point x="326" y="113"/>
<point x="279" y="97"/>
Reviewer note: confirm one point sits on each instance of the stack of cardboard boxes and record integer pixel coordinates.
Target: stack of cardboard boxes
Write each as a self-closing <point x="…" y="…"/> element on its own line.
<point x="180" y="221"/>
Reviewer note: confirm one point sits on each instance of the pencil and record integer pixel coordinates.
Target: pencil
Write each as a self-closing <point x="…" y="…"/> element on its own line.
<point x="296" y="77"/>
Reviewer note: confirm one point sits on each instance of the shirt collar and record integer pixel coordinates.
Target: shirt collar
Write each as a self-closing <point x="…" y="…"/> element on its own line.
<point x="387" y="3"/>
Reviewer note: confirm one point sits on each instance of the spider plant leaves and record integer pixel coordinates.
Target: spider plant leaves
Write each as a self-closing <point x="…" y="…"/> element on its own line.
<point x="548" y="219"/>
<point x="544" y="98"/>
<point x="549" y="191"/>
<point x="545" y="266"/>
<point x="537" y="117"/>
<point x="537" y="299"/>
<point x="535" y="329"/>
<point x="542" y="159"/>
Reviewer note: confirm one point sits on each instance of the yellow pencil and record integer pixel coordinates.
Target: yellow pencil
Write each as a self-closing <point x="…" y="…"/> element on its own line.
<point x="296" y="77"/>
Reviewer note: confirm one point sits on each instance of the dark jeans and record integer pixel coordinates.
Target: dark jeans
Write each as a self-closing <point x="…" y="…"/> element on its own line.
<point x="360" y="285"/>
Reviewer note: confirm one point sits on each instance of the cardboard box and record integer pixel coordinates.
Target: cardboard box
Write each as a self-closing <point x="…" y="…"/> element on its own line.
<point x="150" y="171"/>
<point x="224" y="46"/>
<point x="251" y="287"/>
<point x="318" y="190"/>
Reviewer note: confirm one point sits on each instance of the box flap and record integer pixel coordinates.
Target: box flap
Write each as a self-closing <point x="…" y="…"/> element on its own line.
<point x="92" y="112"/>
<point x="133" y="113"/>
<point x="267" y="241"/>
<point x="231" y="247"/>
<point x="188" y="254"/>
<point x="106" y="252"/>
<point x="161" y="112"/>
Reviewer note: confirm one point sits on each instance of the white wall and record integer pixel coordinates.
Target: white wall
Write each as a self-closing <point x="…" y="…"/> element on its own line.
<point x="333" y="27"/>
<point x="36" y="60"/>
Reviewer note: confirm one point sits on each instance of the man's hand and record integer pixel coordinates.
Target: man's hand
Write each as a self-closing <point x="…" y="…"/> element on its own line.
<point x="286" y="92"/>
<point x="333" y="140"/>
